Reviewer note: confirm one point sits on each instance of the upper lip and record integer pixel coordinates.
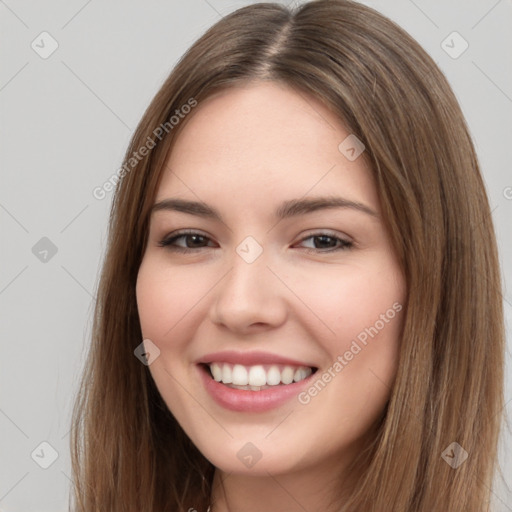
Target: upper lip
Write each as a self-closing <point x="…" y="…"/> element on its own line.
<point x="250" y="358"/>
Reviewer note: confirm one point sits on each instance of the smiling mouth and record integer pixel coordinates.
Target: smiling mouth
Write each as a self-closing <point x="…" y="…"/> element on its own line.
<point x="257" y="377"/>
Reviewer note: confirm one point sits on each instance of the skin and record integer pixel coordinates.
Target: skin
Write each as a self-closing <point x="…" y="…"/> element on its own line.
<point x="244" y="151"/>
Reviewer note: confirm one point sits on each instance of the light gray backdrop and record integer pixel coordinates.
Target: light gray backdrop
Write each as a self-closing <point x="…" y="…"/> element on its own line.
<point x="75" y="79"/>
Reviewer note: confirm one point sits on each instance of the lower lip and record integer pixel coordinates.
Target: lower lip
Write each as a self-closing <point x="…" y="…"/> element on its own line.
<point x="242" y="400"/>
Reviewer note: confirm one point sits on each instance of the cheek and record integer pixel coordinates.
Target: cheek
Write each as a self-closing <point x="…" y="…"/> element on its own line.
<point x="357" y="317"/>
<point x="351" y="303"/>
<point x="165" y="301"/>
<point x="165" y="298"/>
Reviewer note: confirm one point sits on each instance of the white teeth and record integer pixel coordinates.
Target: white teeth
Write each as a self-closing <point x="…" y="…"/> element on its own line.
<point x="216" y="372"/>
<point x="273" y="376"/>
<point x="239" y="375"/>
<point x="300" y="374"/>
<point x="227" y="376"/>
<point x="287" y="375"/>
<point x="257" y="377"/>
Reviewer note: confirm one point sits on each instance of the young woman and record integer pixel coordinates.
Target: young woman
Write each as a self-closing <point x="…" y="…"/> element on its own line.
<point x="300" y="303"/>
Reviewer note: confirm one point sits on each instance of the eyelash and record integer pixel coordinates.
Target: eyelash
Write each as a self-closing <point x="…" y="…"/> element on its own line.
<point x="167" y="242"/>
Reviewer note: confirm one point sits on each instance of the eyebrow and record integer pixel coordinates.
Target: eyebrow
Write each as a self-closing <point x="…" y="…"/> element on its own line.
<point x="287" y="209"/>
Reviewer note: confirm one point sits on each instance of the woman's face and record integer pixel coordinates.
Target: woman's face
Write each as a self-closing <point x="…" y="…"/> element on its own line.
<point x="271" y="285"/>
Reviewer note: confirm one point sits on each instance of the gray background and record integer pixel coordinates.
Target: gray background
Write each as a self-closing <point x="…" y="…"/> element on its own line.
<point x="65" y="123"/>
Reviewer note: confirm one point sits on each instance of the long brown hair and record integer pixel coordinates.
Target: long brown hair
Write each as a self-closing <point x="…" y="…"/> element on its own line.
<point x="128" y="451"/>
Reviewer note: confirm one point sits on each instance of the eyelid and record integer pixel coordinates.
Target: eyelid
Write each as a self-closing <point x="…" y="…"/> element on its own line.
<point x="346" y="241"/>
<point x="326" y="232"/>
<point x="165" y="241"/>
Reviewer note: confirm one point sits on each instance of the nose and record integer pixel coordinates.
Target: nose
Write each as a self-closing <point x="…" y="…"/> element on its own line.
<point x="250" y="298"/>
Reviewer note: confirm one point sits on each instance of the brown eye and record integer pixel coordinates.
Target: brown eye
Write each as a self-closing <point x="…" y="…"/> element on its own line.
<point x="192" y="240"/>
<point x="325" y="242"/>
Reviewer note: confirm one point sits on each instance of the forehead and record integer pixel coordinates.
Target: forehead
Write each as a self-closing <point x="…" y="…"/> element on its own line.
<point x="260" y="142"/>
